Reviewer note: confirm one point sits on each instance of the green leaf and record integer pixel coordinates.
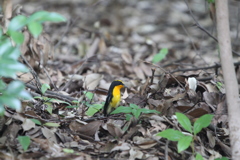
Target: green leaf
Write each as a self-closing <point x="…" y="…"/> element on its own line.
<point x="10" y="101"/>
<point x="122" y="109"/>
<point x="35" y="28"/>
<point x="202" y="122"/>
<point x="24" y="141"/>
<point x="199" y="157"/>
<point x="9" y="68"/>
<point x="136" y="112"/>
<point x="3" y="85"/>
<point x="66" y="150"/>
<point x="17" y="23"/>
<point x="184" y="121"/>
<point x="24" y="95"/>
<point x="160" y="56"/>
<point x="128" y="117"/>
<point x="93" y="109"/>
<point x="184" y="143"/>
<point x="5" y="46"/>
<point x="89" y="95"/>
<point x="134" y="106"/>
<point x="147" y="111"/>
<point x="2" y="110"/>
<point x="36" y="121"/>
<point x="76" y="102"/>
<point x="171" y="134"/>
<point x="38" y="97"/>
<point x="53" y="100"/>
<point x="17" y="37"/>
<point x="44" y="88"/>
<point x="49" y="107"/>
<point x="13" y="53"/>
<point x="14" y="88"/>
<point x="51" y="124"/>
<point x="43" y="16"/>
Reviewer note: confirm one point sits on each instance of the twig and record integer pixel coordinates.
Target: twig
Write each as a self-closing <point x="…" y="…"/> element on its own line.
<point x="153" y="71"/>
<point x="164" y="71"/>
<point x="200" y="68"/>
<point x="166" y="149"/>
<point x="38" y="84"/>
<point x="52" y="94"/>
<point x="50" y="79"/>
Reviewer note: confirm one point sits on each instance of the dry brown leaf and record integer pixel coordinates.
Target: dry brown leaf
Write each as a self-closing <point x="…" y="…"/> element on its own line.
<point x="89" y="129"/>
<point x="146" y="69"/>
<point x="92" y="81"/>
<point x="139" y="73"/>
<point x="144" y="143"/>
<point x="211" y="139"/>
<point x="25" y="77"/>
<point x="93" y="48"/>
<point x="135" y="154"/>
<point x="102" y="46"/>
<point x="126" y="56"/>
<point x="122" y="147"/>
<point x="107" y="147"/>
<point x="114" y="130"/>
<point x="49" y="134"/>
<point x="28" y="124"/>
<point x="111" y="68"/>
<point x="48" y="146"/>
<point x="7" y="13"/>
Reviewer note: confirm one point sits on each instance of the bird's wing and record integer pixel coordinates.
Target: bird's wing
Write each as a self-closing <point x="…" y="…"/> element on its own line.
<point x="106" y="105"/>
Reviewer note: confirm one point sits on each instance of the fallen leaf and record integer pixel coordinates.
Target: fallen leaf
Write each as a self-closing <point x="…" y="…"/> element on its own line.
<point x="28" y="124"/>
<point x="92" y="81"/>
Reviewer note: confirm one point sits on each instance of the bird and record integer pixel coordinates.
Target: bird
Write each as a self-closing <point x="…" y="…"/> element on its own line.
<point x="113" y="98"/>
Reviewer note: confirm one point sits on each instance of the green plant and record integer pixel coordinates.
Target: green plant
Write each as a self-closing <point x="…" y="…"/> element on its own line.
<point x="219" y="85"/>
<point x="44" y="88"/>
<point x="10" y="52"/>
<point x="160" y="55"/>
<point x="24" y="141"/>
<point x="134" y="109"/>
<point x="184" y="141"/>
<point x="49" y="102"/>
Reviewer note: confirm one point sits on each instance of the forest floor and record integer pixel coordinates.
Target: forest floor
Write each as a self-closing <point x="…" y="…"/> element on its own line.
<point x="153" y="47"/>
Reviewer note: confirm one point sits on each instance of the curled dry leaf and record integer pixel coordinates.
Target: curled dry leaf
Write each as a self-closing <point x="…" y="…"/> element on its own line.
<point x="144" y="143"/>
<point x="89" y="129"/>
<point x="114" y="130"/>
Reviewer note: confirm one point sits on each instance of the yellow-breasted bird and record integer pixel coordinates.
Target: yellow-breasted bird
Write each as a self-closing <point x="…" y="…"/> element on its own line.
<point x="114" y="97"/>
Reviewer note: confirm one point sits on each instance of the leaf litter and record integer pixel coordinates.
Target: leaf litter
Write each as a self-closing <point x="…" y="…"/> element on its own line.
<point x="98" y="47"/>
